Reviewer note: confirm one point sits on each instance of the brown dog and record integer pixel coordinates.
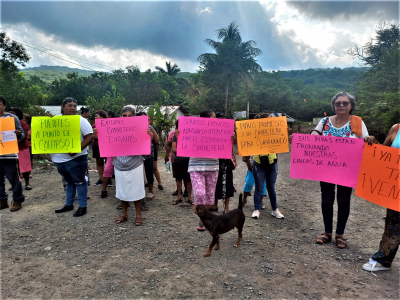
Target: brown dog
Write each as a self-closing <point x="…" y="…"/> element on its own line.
<point x="219" y="224"/>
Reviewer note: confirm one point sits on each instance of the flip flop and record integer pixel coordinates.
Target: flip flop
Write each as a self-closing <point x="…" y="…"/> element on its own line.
<point x="200" y="228"/>
<point x="138" y="223"/>
<point x="121" y="219"/>
<point x="176" y="202"/>
<point x="144" y="206"/>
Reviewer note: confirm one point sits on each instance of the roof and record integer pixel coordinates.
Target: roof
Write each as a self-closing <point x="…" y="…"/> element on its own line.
<point x="163" y="108"/>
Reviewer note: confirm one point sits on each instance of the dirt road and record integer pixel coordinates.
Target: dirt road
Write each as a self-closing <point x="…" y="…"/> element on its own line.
<point x="56" y="256"/>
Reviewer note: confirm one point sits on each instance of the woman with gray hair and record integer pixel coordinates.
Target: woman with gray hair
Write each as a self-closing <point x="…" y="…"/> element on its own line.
<point x="129" y="177"/>
<point x="343" y="124"/>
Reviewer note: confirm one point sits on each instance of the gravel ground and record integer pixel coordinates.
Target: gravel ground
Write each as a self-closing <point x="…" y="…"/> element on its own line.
<point x="56" y="256"/>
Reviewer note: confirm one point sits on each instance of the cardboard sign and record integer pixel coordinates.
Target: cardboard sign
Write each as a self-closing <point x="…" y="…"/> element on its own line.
<point x="326" y="158"/>
<point x="123" y="136"/>
<point x="379" y="177"/>
<point x="262" y="136"/>
<point x="205" y="137"/>
<point x="61" y="134"/>
<point x="8" y="138"/>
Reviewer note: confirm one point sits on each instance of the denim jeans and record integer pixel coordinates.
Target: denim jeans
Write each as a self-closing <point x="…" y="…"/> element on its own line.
<point x="343" y="202"/>
<point x="269" y="176"/>
<point x="8" y="168"/>
<point x="73" y="172"/>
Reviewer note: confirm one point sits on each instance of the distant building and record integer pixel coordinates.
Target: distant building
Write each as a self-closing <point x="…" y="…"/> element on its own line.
<point x="55" y="110"/>
<point x="316" y="120"/>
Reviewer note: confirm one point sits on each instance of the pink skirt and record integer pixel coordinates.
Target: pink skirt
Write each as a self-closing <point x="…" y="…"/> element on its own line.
<point x="24" y="158"/>
<point x="109" y="168"/>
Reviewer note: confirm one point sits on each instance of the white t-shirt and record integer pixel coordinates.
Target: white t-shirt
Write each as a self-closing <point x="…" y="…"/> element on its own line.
<point x="86" y="129"/>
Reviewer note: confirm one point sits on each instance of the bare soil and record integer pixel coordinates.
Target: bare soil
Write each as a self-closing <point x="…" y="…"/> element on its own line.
<point x="56" y="256"/>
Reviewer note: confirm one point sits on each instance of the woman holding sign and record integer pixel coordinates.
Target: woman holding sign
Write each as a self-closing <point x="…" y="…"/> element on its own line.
<point x="382" y="260"/>
<point x="340" y="125"/>
<point x="129" y="178"/>
<point x="265" y="169"/>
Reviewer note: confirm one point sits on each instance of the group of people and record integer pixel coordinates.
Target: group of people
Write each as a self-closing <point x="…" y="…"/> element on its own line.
<point x="210" y="179"/>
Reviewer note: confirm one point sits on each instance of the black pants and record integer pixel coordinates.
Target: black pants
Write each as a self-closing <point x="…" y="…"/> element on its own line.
<point x="9" y="169"/>
<point x="343" y="202"/>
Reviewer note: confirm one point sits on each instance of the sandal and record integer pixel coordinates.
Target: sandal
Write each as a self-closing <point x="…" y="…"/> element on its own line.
<point x="340" y="241"/>
<point x="324" y="238"/>
<point x="104" y="194"/>
<point x="138" y="222"/>
<point x="144" y="206"/>
<point x="160" y="187"/>
<point x="150" y="196"/>
<point x="121" y="219"/>
<point x="189" y="201"/>
<point x="28" y="188"/>
<point x="177" y="201"/>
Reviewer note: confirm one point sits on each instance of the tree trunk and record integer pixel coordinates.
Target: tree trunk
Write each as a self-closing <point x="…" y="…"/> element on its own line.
<point x="226" y="98"/>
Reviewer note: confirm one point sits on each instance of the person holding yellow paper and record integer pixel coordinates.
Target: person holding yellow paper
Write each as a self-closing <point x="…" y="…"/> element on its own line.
<point x="8" y="167"/>
<point x="73" y="166"/>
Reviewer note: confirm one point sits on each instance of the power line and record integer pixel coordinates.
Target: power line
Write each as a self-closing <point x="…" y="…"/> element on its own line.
<point x="80" y="60"/>
<point x="74" y="57"/>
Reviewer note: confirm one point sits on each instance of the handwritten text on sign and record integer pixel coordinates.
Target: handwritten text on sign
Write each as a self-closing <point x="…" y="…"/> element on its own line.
<point x="379" y="178"/>
<point x="123" y="136"/>
<point x="325" y="158"/>
<point x="8" y="138"/>
<point x="262" y="136"/>
<point x="205" y="137"/>
<point x="61" y="134"/>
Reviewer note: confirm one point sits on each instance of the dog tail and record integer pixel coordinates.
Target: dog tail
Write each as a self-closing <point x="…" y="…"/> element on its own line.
<point x="240" y="202"/>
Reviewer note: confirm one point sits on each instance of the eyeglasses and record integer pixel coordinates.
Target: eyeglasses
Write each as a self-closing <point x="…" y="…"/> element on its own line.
<point x="339" y="103"/>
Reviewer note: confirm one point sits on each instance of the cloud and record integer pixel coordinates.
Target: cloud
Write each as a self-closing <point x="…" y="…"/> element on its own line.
<point x="317" y="42"/>
<point x="99" y="58"/>
<point x="329" y="10"/>
<point x="207" y="10"/>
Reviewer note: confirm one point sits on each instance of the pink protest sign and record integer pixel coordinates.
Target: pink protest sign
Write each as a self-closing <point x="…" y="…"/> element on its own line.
<point x="326" y="158"/>
<point x="205" y="137"/>
<point x="123" y="136"/>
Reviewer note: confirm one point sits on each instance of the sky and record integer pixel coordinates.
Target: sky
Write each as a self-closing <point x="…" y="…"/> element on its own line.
<point x="108" y="35"/>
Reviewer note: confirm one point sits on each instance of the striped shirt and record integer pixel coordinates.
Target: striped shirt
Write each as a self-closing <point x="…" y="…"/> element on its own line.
<point x="197" y="164"/>
<point x="127" y="163"/>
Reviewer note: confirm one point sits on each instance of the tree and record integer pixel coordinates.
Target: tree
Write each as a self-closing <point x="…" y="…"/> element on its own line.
<point x="170" y="70"/>
<point x="379" y="93"/>
<point x="12" y="52"/>
<point x="387" y="37"/>
<point x="233" y="61"/>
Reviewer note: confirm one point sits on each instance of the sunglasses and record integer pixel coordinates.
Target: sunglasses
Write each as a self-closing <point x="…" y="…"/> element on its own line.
<point x="339" y="103"/>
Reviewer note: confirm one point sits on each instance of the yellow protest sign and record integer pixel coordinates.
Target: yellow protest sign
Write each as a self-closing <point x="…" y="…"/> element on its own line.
<point x="61" y="134"/>
<point x="262" y="136"/>
<point x="8" y="138"/>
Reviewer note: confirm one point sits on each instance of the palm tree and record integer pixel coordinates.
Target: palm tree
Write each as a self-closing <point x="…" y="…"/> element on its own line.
<point x="233" y="59"/>
<point x="171" y="71"/>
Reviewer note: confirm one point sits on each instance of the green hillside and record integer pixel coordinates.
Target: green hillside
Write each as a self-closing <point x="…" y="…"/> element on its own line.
<point x="49" y="73"/>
